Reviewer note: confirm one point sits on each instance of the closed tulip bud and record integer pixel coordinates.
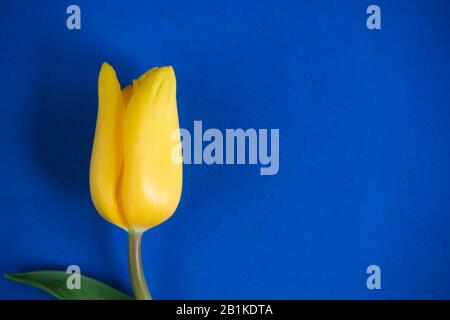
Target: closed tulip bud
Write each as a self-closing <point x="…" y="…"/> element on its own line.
<point x="134" y="182"/>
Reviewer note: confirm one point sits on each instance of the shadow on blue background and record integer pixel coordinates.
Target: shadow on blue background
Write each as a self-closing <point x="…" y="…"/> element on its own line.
<point x="62" y="124"/>
<point x="364" y="158"/>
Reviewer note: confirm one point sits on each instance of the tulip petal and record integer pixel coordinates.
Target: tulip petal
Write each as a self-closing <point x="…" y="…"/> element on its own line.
<point x="127" y="93"/>
<point x="107" y="151"/>
<point x="152" y="181"/>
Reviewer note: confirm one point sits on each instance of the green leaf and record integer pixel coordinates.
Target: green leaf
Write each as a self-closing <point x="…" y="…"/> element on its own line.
<point x="55" y="283"/>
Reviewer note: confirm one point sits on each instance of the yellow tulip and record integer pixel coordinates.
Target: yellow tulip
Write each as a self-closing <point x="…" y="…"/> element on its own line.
<point x="134" y="182"/>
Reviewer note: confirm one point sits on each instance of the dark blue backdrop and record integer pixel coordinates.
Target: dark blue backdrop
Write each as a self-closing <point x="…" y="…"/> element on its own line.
<point x="364" y="153"/>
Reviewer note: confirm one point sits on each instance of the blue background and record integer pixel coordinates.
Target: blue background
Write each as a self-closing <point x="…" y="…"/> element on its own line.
<point x="364" y="146"/>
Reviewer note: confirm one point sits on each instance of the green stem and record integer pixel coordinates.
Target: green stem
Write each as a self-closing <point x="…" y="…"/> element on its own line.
<point x="135" y="265"/>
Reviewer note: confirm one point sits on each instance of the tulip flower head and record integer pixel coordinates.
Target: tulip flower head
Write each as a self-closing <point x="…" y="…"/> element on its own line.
<point x="134" y="183"/>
